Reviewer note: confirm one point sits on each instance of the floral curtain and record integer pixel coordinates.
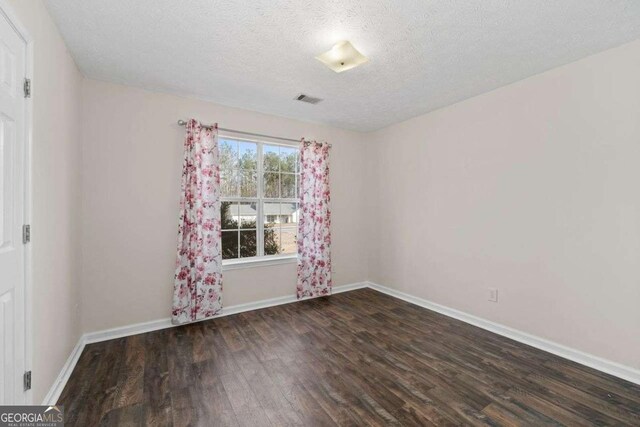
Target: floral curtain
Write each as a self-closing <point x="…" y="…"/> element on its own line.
<point x="197" y="292"/>
<point x="314" y="234"/>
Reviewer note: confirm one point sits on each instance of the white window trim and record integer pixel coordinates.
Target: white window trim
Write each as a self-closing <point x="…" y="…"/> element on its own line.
<point x="260" y="260"/>
<point x="264" y="261"/>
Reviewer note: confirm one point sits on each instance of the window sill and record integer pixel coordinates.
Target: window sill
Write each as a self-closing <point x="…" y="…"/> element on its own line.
<point x="257" y="262"/>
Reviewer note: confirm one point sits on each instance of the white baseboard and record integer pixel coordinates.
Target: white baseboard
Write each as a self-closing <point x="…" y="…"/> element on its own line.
<point x="56" y="389"/>
<point x="600" y="364"/>
<point x="154" y="325"/>
<point x="139" y="328"/>
<point x="607" y="366"/>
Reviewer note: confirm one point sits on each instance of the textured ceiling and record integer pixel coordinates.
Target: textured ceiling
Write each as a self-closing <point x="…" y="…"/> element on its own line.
<point x="258" y="55"/>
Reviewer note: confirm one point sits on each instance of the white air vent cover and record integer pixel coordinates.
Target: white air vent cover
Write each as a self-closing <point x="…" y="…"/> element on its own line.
<point x="308" y="99"/>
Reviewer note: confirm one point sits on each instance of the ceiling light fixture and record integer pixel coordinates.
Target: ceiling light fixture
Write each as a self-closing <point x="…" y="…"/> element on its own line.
<point x="342" y="57"/>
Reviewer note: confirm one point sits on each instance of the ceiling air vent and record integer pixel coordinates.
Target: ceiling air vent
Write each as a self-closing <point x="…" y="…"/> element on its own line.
<point x="308" y="99"/>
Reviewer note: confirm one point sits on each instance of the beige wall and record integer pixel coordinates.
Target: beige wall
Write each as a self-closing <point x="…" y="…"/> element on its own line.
<point x="56" y="196"/>
<point x="132" y="157"/>
<point x="532" y="189"/>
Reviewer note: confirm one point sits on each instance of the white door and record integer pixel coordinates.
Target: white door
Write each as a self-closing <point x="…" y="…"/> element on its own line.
<point x="12" y="189"/>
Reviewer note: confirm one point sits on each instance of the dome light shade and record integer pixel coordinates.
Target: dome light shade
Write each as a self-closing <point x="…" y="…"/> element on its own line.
<point x="342" y="57"/>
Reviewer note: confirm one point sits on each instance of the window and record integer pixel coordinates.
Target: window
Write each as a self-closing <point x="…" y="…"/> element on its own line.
<point x="260" y="207"/>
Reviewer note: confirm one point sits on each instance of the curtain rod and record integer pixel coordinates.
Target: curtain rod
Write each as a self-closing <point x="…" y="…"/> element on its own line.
<point x="183" y="123"/>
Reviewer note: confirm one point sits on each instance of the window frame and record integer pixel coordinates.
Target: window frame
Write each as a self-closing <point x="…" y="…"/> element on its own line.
<point x="260" y="259"/>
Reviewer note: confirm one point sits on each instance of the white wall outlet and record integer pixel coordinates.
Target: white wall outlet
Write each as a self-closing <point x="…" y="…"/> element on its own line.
<point x="493" y="294"/>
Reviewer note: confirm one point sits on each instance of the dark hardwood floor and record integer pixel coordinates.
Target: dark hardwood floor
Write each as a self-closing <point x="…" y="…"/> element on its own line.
<point x="355" y="358"/>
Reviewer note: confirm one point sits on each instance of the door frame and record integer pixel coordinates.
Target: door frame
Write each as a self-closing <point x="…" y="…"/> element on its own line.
<point x="9" y="13"/>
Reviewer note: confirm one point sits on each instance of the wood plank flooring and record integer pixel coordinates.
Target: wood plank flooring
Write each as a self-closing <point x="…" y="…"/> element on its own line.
<point x="355" y="358"/>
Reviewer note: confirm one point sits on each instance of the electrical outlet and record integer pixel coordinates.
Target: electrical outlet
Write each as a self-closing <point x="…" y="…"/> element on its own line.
<point x="493" y="294"/>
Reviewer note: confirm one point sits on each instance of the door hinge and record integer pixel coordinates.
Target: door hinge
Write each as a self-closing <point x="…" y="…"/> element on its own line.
<point x="26" y="233"/>
<point x="27" y="88"/>
<point x="27" y="380"/>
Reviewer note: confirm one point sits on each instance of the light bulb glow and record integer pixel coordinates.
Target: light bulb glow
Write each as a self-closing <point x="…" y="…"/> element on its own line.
<point x="342" y="57"/>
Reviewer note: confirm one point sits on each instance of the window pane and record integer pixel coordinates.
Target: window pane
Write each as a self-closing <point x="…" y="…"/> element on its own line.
<point x="288" y="159"/>
<point x="248" y="155"/>
<point x="248" y="183"/>
<point x="241" y="224"/>
<point x="271" y="157"/>
<point x="288" y="244"/>
<point x="229" y="215"/>
<point x="228" y="154"/>
<point x="288" y="185"/>
<point x="229" y="244"/>
<point x="271" y="184"/>
<point x="229" y="183"/>
<point x="271" y="218"/>
<point x="271" y="239"/>
<point x="248" y="215"/>
<point x="248" y="243"/>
